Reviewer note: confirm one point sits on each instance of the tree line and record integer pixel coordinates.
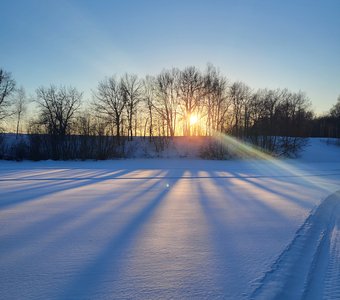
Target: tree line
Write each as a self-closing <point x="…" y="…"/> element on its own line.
<point x="187" y="102"/>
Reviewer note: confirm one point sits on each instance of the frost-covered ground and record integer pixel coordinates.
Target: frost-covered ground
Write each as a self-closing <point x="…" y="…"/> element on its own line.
<point x="171" y="229"/>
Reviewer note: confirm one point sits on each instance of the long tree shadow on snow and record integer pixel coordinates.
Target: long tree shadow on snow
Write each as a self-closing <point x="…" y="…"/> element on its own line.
<point x="222" y="207"/>
<point x="106" y="266"/>
<point x="264" y="185"/>
<point x="286" y="194"/>
<point x="59" y="228"/>
<point x="224" y="249"/>
<point x="34" y="193"/>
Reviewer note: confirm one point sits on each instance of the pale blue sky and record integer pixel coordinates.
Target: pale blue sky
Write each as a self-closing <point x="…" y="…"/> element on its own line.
<point x="291" y="44"/>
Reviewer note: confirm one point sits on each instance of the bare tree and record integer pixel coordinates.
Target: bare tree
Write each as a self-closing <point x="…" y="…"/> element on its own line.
<point x="166" y="102"/>
<point x="239" y="94"/>
<point x="217" y="102"/>
<point x="7" y="87"/>
<point x="191" y="89"/>
<point x="335" y="110"/>
<point x="57" y="108"/>
<point x="20" y="106"/>
<point x="85" y="123"/>
<point x="132" y="93"/>
<point x="328" y="125"/>
<point x="149" y="95"/>
<point x="109" y="101"/>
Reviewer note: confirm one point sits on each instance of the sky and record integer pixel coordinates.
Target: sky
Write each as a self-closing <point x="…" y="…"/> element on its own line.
<point x="292" y="44"/>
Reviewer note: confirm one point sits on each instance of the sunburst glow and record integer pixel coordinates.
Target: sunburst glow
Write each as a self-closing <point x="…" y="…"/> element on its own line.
<point x="193" y="119"/>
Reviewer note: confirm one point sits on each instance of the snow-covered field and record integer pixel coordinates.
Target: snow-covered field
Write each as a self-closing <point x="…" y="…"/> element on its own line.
<point x="172" y="229"/>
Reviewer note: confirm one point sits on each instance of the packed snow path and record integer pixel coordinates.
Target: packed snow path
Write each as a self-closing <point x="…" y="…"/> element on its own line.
<point x="309" y="268"/>
<point x="161" y="229"/>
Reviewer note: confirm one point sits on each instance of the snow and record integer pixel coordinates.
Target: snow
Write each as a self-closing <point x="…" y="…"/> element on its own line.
<point x="171" y="228"/>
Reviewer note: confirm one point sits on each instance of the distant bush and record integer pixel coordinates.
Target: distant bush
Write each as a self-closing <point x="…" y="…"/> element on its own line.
<point x="42" y="147"/>
<point x="276" y="146"/>
<point x="2" y="145"/>
<point x="81" y="147"/>
<point x="38" y="149"/>
<point x="19" y="150"/>
<point x="291" y="146"/>
<point x="285" y="146"/>
<point x="215" y="150"/>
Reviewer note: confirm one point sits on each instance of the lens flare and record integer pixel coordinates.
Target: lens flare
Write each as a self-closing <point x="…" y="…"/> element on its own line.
<point x="266" y="163"/>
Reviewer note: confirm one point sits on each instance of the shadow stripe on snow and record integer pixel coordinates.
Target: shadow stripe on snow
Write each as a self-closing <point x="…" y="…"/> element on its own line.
<point x="166" y="177"/>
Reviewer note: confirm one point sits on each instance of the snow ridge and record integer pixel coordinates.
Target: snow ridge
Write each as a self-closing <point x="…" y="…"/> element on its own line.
<point x="309" y="266"/>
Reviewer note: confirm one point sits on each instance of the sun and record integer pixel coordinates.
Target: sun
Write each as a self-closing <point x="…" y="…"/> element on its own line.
<point x="193" y="119"/>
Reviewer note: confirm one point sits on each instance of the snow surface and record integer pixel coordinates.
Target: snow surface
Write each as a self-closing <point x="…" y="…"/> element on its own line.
<point x="172" y="229"/>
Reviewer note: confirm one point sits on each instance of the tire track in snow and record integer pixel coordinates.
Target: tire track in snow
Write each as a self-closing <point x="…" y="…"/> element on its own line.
<point x="309" y="267"/>
<point x="332" y="283"/>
